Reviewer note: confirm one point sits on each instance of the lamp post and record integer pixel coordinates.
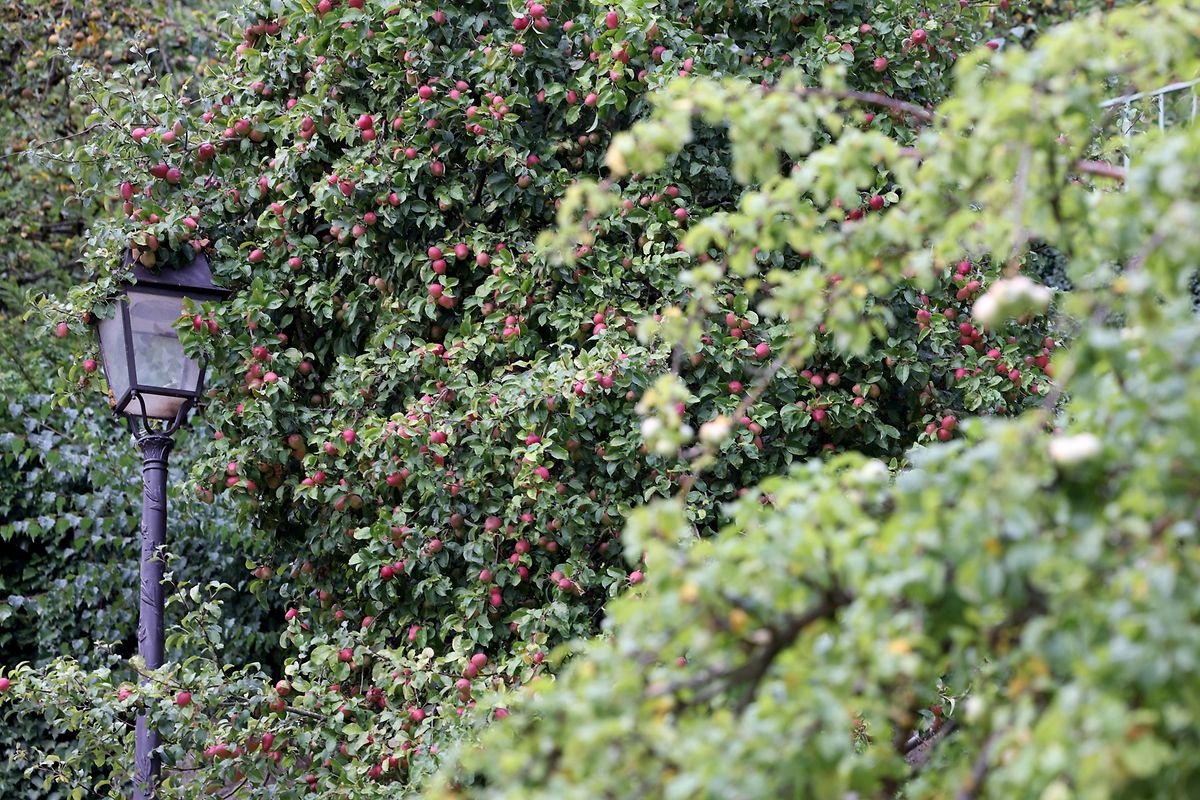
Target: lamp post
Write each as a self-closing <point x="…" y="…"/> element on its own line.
<point x="154" y="385"/>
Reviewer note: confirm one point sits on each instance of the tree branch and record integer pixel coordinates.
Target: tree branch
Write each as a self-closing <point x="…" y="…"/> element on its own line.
<point x="757" y="667"/>
<point x="234" y="790"/>
<point x="48" y="142"/>
<point x="17" y="362"/>
<point x="304" y="713"/>
<point x="1100" y="169"/>
<point x="872" y="99"/>
<point x="1090" y="167"/>
<point x="752" y="671"/>
<point x="979" y="771"/>
<point x="918" y="749"/>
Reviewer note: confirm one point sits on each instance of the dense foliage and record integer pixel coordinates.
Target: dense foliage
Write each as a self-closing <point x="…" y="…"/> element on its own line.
<point x="70" y="494"/>
<point x="69" y="519"/>
<point x="439" y="429"/>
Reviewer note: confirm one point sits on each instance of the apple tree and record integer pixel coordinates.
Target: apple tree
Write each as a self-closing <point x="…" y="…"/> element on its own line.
<point x="435" y="421"/>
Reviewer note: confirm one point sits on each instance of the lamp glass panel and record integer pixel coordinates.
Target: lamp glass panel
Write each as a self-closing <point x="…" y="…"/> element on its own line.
<point x="159" y="360"/>
<point x="113" y="353"/>
<point x="158" y="406"/>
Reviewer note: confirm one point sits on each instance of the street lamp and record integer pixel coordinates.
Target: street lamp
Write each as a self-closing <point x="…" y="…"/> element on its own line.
<point x="154" y="384"/>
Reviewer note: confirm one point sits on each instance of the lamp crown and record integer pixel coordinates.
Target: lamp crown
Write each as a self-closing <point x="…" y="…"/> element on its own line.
<point x="194" y="278"/>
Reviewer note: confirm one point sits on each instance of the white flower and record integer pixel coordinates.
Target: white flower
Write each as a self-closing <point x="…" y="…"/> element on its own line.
<point x="716" y="430"/>
<point x="873" y="471"/>
<point x="1068" y="451"/>
<point x="651" y="427"/>
<point x="986" y="310"/>
<point x="1011" y="297"/>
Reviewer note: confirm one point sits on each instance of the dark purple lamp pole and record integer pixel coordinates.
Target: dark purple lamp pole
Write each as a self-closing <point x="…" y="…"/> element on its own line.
<point x="154" y="384"/>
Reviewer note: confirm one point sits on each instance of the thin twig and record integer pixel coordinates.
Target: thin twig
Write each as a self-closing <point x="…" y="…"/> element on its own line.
<point x="918" y="749"/>
<point x="1090" y="167"/>
<point x="304" y="713"/>
<point x="234" y="790"/>
<point x="1153" y="243"/>
<point x="48" y="142"/>
<point x="19" y="364"/>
